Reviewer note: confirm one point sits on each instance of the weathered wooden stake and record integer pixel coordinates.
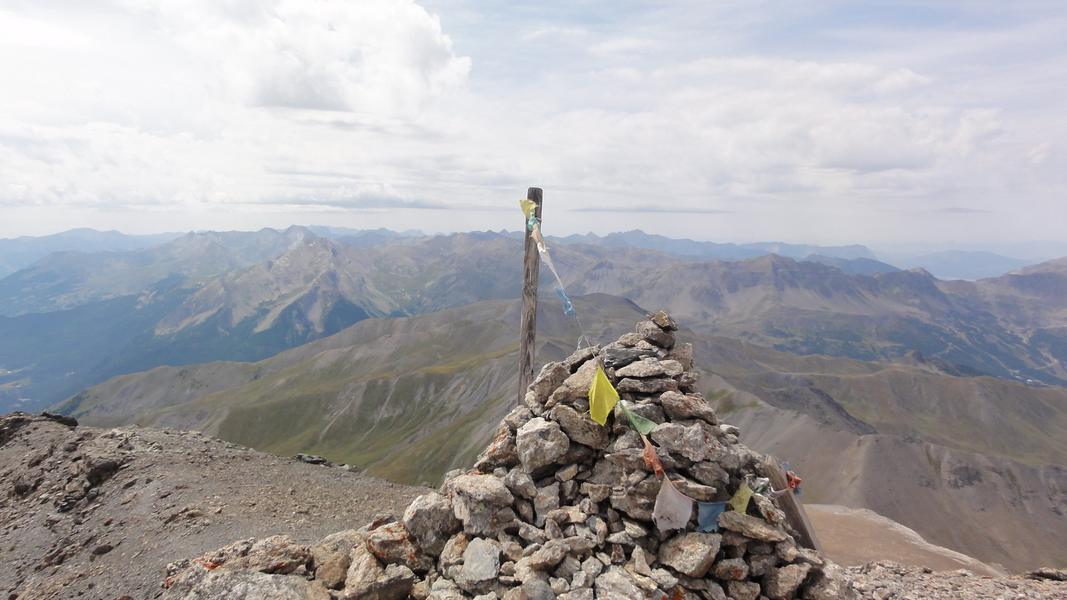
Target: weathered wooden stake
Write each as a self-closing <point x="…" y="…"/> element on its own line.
<point x="793" y="509"/>
<point x="531" y="266"/>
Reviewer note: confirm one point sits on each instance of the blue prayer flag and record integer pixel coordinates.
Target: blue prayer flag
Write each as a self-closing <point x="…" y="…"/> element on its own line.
<point x="708" y="516"/>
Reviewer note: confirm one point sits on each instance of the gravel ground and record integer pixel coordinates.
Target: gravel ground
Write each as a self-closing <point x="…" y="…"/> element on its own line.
<point x="96" y="513"/>
<point x="886" y="580"/>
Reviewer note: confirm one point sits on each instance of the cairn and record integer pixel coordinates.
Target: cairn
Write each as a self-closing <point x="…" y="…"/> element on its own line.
<point x="559" y="506"/>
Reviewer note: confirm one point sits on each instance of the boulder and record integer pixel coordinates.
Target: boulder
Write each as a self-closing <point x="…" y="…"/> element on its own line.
<point x="540" y="443"/>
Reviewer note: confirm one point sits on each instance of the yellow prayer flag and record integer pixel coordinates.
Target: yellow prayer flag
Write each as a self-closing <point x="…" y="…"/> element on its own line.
<point x="602" y="397"/>
<point x="739" y="502"/>
<point x="528" y="207"/>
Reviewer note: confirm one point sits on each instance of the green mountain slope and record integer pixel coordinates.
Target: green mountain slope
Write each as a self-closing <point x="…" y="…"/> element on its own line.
<point x="410" y="398"/>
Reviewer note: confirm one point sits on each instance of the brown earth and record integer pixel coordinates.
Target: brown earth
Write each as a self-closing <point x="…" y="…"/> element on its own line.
<point x="852" y="537"/>
<point x="97" y="513"/>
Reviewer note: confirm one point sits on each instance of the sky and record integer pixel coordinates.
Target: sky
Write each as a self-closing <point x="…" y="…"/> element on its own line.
<point x="819" y="121"/>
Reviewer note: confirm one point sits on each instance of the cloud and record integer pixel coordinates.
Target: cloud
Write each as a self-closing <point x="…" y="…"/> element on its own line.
<point x="373" y="55"/>
<point x="653" y="208"/>
<point x="621" y="112"/>
<point x="553" y="33"/>
<point x="962" y="210"/>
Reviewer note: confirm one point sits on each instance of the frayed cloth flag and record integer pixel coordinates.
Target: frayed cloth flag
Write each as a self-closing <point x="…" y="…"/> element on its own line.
<point x="568" y="307"/>
<point x="528" y="207"/>
<point x="708" y="516"/>
<point x="602" y="397"/>
<point x="640" y="424"/>
<point x="651" y="458"/>
<point x="739" y="503"/>
<point x="673" y="508"/>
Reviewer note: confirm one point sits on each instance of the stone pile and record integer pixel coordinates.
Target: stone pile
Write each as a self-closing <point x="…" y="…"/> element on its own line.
<point x="558" y="506"/>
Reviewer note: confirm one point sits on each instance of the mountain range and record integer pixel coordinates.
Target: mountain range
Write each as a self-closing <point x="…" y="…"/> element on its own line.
<point x="21" y="252"/>
<point x="972" y="463"/>
<point x="73" y="320"/>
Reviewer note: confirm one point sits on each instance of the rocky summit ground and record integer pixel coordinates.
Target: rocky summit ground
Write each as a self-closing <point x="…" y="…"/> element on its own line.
<point x="99" y="513"/>
<point x="892" y="581"/>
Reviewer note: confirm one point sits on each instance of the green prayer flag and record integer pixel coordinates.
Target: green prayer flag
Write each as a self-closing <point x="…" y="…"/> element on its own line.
<point x="602" y="397"/>
<point x="640" y="424"/>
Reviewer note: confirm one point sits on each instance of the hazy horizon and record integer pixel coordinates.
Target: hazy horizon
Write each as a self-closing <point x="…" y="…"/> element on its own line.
<point x="1031" y="250"/>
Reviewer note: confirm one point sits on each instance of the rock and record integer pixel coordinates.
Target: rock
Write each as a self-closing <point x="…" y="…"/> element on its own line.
<point x="520" y="483"/>
<point x="742" y="590"/>
<point x="540" y="443"/>
<point x="733" y="569"/>
<point x="616" y="584"/>
<point x="579" y="357"/>
<point x="580" y="428"/>
<point x="518" y="417"/>
<point x="311" y="459"/>
<point x="752" y="527"/>
<point x="647" y="367"/>
<point x="780" y="584"/>
<point x="575" y="387"/>
<point x="276" y="554"/>
<point x="500" y="452"/>
<point x="768" y="510"/>
<point x="452" y="554"/>
<point x="651" y="332"/>
<point x="546" y="501"/>
<point x="332" y="557"/>
<point x="829" y="583"/>
<point x="761" y="564"/>
<point x="691" y="554"/>
<point x="621" y="356"/>
<point x="476" y="500"/>
<point x="646" y="386"/>
<point x="709" y="473"/>
<point x="363" y="572"/>
<point x="693" y="441"/>
<point x="1049" y="574"/>
<point x="548" y="556"/>
<point x="537" y="589"/>
<point x="249" y="585"/>
<point x="431" y="521"/>
<point x="481" y="561"/>
<point x="551" y="376"/>
<point x="680" y="406"/>
<point x="683" y="353"/>
<point x="391" y="544"/>
<point x="664" y="321"/>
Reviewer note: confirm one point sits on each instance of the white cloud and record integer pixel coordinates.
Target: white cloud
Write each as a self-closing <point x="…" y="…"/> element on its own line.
<point x="216" y="107"/>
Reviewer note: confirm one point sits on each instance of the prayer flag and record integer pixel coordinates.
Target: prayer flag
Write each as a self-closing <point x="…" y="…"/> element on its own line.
<point x="602" y="397"/>
<point x="651" y="458"/>
<point x="673" y="508"/>
<point x="708" y="516"/>
<point x="568" y="307"/>
<point x="740" y="500"/>
<point x="640" y="424"/>
<point x="528" y="207"/>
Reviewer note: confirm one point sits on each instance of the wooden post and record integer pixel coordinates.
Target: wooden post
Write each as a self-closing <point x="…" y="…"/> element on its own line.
<point x="531" y="264"/>
<point x="793" y="509"/>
